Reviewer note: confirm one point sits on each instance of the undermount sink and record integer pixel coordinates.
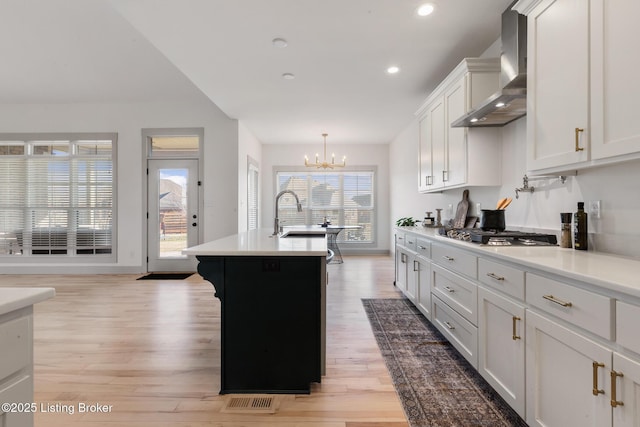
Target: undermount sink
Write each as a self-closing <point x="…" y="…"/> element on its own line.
<point x="305" y="233"/>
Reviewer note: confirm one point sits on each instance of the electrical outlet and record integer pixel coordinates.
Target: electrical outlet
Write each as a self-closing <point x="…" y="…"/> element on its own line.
<point x="478" y="208"/>
<point x="595" y="207"/>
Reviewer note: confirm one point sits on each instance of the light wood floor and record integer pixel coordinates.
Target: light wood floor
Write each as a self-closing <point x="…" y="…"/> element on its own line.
<point x="151" y="349"/>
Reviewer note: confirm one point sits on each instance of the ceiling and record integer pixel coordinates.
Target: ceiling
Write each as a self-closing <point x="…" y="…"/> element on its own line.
<point x="112" y="51"/>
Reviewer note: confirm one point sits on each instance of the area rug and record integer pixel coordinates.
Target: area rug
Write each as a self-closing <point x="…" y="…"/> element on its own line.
<point x="165" y="276"/>
<point x="436" y="385"/>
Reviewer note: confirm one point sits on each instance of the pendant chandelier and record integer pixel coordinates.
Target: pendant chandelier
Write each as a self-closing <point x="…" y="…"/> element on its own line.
<point x="324" y="164"/>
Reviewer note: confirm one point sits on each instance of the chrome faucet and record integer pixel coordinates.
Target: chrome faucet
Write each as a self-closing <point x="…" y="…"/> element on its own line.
<point x="276" y="221"/>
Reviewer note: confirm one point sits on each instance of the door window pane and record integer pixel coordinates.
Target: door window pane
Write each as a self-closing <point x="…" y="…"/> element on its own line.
<point x="172" y="212"/>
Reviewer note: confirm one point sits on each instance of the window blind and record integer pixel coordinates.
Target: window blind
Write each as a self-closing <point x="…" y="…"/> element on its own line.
<point x="344" y="198"/>
<point x="56" y="197"/>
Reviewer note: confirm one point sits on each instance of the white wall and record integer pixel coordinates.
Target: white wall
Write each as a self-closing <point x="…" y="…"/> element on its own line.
<point x="220" y="186"/>
<point x="248" y="145"/>
<point x="357" y="155"/>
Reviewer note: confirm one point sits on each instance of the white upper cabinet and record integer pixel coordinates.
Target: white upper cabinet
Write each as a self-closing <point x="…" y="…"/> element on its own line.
<point x="457" y="157"/>
<point x="582" y="90"/>
<point x="558" y="84"/>
<point x="615" y="88"/>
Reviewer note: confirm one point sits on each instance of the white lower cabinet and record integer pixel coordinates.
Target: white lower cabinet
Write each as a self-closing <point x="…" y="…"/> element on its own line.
<point x="16" y="366"/>
<point x="501" y="346"/>
<point x="560" y="353"/>
<point x="402" y="259"/>
<point x="423" y="285"/>
<point x="625" y="391"/>
<point x="567" y="377"/>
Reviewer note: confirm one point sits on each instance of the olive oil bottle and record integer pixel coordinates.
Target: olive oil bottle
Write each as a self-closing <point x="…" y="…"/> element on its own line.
<point x="580" y="235"/>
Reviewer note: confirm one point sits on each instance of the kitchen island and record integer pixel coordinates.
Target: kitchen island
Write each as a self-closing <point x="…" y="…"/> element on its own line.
<point x="272" y="294"/>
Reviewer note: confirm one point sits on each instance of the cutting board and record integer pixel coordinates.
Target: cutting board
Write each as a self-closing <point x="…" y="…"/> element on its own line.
<point x="461" y="212"/>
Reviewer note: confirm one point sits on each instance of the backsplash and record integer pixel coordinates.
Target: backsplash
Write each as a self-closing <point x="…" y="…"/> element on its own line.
<point x="615" y="186"/>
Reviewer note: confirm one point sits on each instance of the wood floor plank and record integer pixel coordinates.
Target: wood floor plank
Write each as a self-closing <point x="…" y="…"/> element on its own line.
<point x="151" y="350"/>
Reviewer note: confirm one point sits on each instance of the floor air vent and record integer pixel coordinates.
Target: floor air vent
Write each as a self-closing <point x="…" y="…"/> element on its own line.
<point x="251" y="404"/>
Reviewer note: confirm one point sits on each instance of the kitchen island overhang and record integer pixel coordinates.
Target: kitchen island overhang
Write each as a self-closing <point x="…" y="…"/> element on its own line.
<point x="273" y="310"/>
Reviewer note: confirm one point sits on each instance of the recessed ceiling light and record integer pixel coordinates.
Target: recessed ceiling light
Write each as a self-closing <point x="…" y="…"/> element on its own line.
<point x="473" y="120"/>
<point x="393" y="70"/>
<point x="500" y="104"/>
<point x="279" y="42"/>
<point x="288" y="76"/>
<point x="426" y="9"/>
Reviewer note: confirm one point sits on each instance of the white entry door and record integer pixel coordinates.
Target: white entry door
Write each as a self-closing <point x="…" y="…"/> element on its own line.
<point x="173" y="217"/>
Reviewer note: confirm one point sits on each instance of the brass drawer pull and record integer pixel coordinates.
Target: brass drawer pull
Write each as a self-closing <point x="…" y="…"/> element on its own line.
<point x="557" y="301"/>
<point x="495" y="276"/>
<point x="449" y="289"/>
<point x="614" y="376"/>
<point x="595" y="390"/>
<point x="514" y="336"/>
<point x="448" y="258"/>
<point x="449" y="325"/>
<point x="578" y="148"/>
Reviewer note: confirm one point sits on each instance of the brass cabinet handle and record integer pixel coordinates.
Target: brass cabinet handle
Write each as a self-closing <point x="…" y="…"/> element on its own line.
<point x="578" y="148"/>
<point x="448" y="258"/>
<point x="595" y="390"/>
<point x="449" y="289"/>
<point x="615" y="402"/>
<point x="495" y="276"/>
<point x="514" y="336"/>
<point x="449" y="325"/>
<point x="556" y="300"/>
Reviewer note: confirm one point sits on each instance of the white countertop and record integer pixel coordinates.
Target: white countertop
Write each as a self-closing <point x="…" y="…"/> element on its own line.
<point x="261" y="242"/>
<point x="608" y="271"/>
<point x="12" y="299"/>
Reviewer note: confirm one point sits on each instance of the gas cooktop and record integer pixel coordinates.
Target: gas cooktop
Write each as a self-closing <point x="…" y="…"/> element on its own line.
<point x="501" y="238"/>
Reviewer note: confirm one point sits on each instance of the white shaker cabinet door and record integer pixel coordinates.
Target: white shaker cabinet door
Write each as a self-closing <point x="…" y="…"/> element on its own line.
<point x="501" y="346"/>
<point x="626" y="402"/>
<point x="563" y="370"/>
<point x="615" y="88"/>
<point x="558" y="84"/>
<point x="423" y="285"/>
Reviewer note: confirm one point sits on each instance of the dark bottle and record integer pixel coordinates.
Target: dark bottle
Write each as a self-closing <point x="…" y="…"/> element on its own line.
<point x="580" y="236"/>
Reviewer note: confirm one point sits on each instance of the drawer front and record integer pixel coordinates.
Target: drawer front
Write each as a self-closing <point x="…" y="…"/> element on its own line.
<point x="507" y="279"/>
<point x="460" y="333"/>
<point x="410" y="241"/>
<point x="15" y="346"/>
<point x="456" y="260"/>
<point x="400" y="238"/>
<point x="423" y="247"/>
<point x="459" y="293"/>
<point x="585" y="309"/>
<point x="627" y="316"/>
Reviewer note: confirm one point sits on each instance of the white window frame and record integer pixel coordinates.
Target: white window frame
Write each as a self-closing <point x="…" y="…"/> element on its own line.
<point x="253" y="194"/>
<point x="70" y="252"/>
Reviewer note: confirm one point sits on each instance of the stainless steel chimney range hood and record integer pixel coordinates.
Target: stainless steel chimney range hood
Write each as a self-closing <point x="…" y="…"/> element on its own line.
<point x="510" y="103"/>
